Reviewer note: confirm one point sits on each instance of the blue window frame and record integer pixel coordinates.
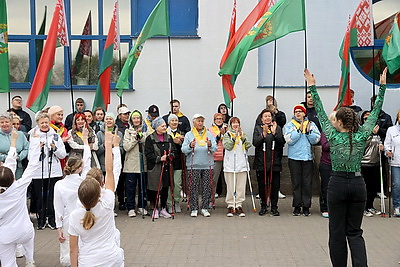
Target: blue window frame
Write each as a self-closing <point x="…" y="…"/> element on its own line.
<point x="183" y="24"/>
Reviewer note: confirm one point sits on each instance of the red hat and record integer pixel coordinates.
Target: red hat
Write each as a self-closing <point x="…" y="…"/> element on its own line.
<point x="300" y="106"/>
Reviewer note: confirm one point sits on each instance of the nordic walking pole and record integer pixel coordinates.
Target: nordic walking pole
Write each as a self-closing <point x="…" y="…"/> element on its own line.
<point x="211" y="177"/>
<point x="141" y="176"/>
<point x="158" y="190"/>
<point x="234" y="178"/>
<point x="249" y="178"/>
<point x="383" y="214"/>
<point x="184" y="179"/>
<point x="171" y="181"/>
<point x="265" y="171"/>
<point x="190" y="179"/>
<point x="271" y="171"/>
<point x="390" y="188"/>
<point x="41" y="158"/>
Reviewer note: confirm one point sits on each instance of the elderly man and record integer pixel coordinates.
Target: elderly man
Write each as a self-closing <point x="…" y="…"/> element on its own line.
<point x="183" y="121"/>
<point x="17" y="108"/>
<point x="198" y="146"/>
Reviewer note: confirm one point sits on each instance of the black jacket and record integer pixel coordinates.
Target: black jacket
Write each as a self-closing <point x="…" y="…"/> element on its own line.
<point x="25" y="119"/>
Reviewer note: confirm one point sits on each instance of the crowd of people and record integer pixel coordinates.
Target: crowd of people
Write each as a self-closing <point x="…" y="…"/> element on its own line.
<point x="155" y="164"/>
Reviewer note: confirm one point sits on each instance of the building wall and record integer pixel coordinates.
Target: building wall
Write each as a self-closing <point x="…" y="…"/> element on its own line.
<point x="195" y="64"/>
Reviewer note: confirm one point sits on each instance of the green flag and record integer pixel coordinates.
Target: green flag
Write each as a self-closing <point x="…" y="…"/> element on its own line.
<point x="283" y="18"/>
<point x="4" y="67"/>
<point x="391" y="48"/>
<point x="156" y="24"/>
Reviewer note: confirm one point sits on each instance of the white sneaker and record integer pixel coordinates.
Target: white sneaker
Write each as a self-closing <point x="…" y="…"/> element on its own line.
<point x="155" y="214"/>
<point x="258" y="196"/>
<point x="380" y="194"/>
<point x="142" y="211"/>
<point x="131" y="213"/>
<point x="169" y="209"/>
<point x="193" y="213"/>
<point x="165" y="214"/>
<point x="216" y="195"/>
<point x="30" y="264"/>
<point x="205" y="213"/>
<point x="375" y="211"/>
<point x="19" y="253"/>
<point x="178" y="208"/>
<point x="115" y="214"/>
<point x="397" y="212"/>
<point x="281" y="196"/>
<point x="368" y="214"/>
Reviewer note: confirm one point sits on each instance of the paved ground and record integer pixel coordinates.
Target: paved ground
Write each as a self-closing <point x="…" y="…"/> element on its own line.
<point x="223" y="241"/>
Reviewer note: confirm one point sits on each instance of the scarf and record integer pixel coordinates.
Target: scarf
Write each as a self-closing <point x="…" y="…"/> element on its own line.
<point x="298" y="124"/>
<point x="201" y="140"/>
<point x="60" y="130"/>
<point x="148" y="123"/>
<point x="215" y="129"/>
<point x="174" y="133"/>
<point x="237" y="139"/>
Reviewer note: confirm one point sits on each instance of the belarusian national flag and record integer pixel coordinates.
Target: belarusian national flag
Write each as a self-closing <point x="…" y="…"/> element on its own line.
<point x="359" y="33"/>
<point x="85" y="46"/>
<point x="4" y="67"/>
<point x="102" y="97"/>
<point x="156" y="24"/>
<point x="38" y="94"/>
<point x="283" y="18"/>
<point x="391" y="48"/>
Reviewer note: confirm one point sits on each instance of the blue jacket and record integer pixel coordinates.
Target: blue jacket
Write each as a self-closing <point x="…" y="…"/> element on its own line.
<point x="202" y="159"/>
<point x="299" y="144"/>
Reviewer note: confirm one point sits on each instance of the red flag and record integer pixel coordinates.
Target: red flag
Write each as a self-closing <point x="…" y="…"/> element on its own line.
<point x="102" y="97"/>
<point x="38" y="94"/>
<point x="85" y="46"/>
<point x="359" y="33"/>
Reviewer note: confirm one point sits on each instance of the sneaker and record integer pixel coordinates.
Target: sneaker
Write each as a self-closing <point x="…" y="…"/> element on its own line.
<point x="263" y="211"/>
<point x="165" y="214"/>
<point x="258" y="196"/>
<point x="216" y="195"/>
<point x="30" y="264"/>
<point x="178" y="208"/>
<point x="230" y="212"/>
<point x="143" y="211"/>
<point x="368" y="214"/>
<point x="131" y="213"/>
<point x="274" y="212"/>
<point x="375" y="211"/>
<point x="115" y="214"/>
<point x="379" y="195"/>
<point x="325" y="214"/>
<point x="51" y="226"/>
<point x="155" y="214"/>
<point x="397" y="212"/>
<point x="193" y="213"/>
<point x="205" y="213"/>
<point x="240" y="212"/>
<point x="19" y="253"/>
<point x="169" y="209"/>
<point x="296" y="211"/>
<point x="281" y="196"/>
<point x="122" y="206"/>
<point x="306" y="212"/>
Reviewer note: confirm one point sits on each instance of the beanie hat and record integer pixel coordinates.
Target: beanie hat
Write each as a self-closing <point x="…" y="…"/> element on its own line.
<point x="157" y="122"/>
<point x="109" y="114"/>
<point x="172" y="116"/>
<point x="300" y="106"/>
<point x="53" y="110"/>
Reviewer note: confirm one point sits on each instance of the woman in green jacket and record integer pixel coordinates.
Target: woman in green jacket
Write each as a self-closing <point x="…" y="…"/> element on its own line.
<point x="346" y="189"/>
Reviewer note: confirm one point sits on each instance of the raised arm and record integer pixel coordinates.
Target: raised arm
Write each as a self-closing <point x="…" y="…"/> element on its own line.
<point x="108" y="143"/>
<point x="86" y="153"/>
<point x="11" y="159"/>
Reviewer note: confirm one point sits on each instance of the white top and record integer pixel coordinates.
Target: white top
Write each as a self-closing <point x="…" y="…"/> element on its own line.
<point x="235" y="160"/>
<point x="66" y="192"/>
<point x="392" y="143"/>
<point x="35" y="138"/>
<point x="98" y="246"/>
<point x="14" y="217"/>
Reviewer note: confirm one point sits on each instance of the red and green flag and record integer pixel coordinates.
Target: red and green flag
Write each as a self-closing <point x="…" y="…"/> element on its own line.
<point x="102" y="97"/>
<point x="39" y="92"/>
<point x="359" y="33"/>
<point x="4" y="66"/>
<point x="281" y="19"/>
<point x="156" y="24"/>
<point x="85" y="46"/>
<point x="391" y="48"/>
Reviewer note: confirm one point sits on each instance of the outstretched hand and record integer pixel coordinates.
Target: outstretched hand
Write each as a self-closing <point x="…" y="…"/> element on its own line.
<point x="310" y="79"/>
<point x="382" y="79"/>
<point x="14" y="137"/>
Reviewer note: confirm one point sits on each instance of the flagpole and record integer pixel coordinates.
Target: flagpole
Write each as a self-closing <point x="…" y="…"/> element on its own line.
<point x="274" y="75"/>
<point x="70" y="77"/>
<point x="120" y="70"/>
<point x="373" y="70"/>
<point x="305" y="63"/>
<point x="170" y="70"/>
<point x="9" y="99"/>
<point x="232" y="108"/>
<point x="89" y="63"/>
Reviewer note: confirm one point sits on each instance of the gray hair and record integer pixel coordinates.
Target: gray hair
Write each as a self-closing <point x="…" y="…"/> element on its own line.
<point x="6" y="116"/>
<point x="41" y="115"/>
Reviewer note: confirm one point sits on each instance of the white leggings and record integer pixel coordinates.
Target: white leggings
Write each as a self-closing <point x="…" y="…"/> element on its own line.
<point x="7" y="251"/>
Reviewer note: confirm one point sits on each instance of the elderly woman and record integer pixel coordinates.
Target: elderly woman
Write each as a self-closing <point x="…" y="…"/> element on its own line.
<point x="75" y="140"/>
<point x="159" y="150"/>
<point x="135" y="165"/>
<point x="198" y="146"/>
<point x="22" y="146"/>
<point x="109" y="125"/>
<point x="46" y="145"/>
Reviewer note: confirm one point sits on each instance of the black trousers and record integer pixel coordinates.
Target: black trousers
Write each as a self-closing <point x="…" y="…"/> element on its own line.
<point x="301" y="174"/>
<point x="346" y="202"/>
<point x="372" y="182"/>
<point x="121" y="188"/>
<point x="152" y="196"/>
<point x="262" y="188"/>
<point x="44" y="193"/>
<point x="325" y="173"/>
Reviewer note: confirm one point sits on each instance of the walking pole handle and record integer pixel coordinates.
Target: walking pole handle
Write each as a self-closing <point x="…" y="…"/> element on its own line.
<point x="273" y="144"/>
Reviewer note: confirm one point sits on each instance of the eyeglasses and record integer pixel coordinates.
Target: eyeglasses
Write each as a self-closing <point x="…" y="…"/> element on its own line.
<point x="298" y="111"/>
<point x="17" y="100"/>
<point x="219" y="118"/>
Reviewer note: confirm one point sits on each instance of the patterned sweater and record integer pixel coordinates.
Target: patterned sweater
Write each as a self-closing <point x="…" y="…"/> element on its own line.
<point x="340" y="142"/>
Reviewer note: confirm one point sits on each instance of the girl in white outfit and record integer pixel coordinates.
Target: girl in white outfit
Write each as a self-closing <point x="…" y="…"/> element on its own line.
<point x="94" y="224"/>
<point x="66" y="195"/>
<point x="15" y="224"/>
